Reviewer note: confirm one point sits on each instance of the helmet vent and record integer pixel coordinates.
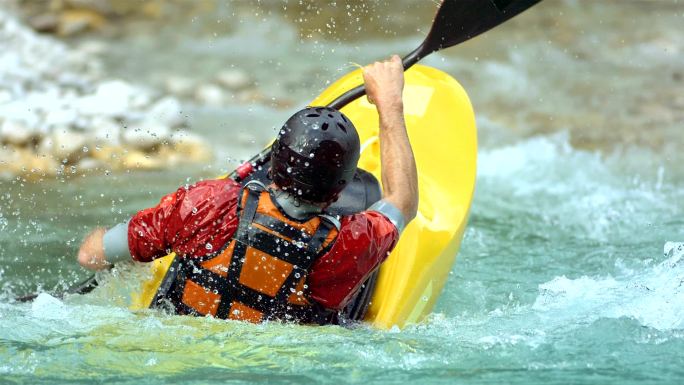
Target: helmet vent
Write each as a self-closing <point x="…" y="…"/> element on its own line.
<point x="312" y="134"/>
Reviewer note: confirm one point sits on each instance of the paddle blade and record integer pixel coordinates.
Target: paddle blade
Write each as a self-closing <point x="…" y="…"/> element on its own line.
<point x="459" y="20"/>
<point x="456" y="21"/>
<point x="84" y="287"/>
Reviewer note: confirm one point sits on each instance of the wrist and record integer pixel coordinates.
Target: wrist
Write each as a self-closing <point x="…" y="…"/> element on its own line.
<point x="391" y="107"/>
<point x="391" y="112"/>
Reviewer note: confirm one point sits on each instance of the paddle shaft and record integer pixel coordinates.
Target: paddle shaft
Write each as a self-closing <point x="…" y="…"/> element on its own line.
<point x="408" y="61"/>
<point x="80" y="288"/>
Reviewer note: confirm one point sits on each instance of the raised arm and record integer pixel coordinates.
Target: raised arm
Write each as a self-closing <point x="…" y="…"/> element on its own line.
<point x="384" y="86"/>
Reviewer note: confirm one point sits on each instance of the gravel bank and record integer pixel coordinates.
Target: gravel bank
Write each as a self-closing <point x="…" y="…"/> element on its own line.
<point x="59" y="112"/>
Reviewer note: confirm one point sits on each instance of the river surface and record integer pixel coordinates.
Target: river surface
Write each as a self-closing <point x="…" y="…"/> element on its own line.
<point x="561" y="277"/>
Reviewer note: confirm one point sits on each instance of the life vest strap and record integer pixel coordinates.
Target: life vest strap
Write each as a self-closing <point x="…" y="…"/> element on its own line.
<point x="281" y="228"/>
<point x="272" y="245"/>
<point x="247" y="213"/>
<point x="322" y="232"/>
<point x="300" y="269"/>
<point x="333" y="220"/>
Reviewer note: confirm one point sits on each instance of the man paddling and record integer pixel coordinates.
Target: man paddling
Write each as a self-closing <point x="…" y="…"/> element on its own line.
<point x="263" y="252"/>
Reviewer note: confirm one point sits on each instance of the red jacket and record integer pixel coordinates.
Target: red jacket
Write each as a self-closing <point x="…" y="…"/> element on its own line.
<point x="199" y="219"/>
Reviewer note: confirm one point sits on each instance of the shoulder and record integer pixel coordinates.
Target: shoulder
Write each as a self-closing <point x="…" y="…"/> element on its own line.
<point x="210" y="189"/>
<point x="212" y="185"/>
<point x="207" y="198"/>
<point x="369" y="223"/>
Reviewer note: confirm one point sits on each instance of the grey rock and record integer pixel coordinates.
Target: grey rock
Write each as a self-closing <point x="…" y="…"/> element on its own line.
<point x="92" y="47"/>
<point x="233" y="79"/>
<point x="60" y="117"/>
<point x="47" y="22"/>
<point x="146" y="135"/>
<point x="64" y="143"/>
<point x="89" y="164"/>
<point x="167" y="111"/>
<point x="104" y="131"/>
<point x="20" y="112"/>
<point x="16" y="133"/>
<point x="186" y="137"/>
<point x="210" y="94"/>
<point x="179" y="85"/>
<point x="140" y="100"/>
<point x="112" y="98"/>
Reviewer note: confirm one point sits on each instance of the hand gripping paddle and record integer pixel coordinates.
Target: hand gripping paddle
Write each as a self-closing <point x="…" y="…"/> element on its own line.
<point x="455" y="22"/>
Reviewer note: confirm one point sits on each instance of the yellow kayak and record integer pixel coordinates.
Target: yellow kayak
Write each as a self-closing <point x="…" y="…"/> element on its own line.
<point x="441" y="126"/>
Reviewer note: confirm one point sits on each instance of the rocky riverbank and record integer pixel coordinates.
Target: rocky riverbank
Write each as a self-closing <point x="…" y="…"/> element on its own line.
<point x="60" y="113"/>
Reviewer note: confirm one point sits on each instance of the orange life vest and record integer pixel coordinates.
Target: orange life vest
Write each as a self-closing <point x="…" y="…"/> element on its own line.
<point x="258" y="275"/>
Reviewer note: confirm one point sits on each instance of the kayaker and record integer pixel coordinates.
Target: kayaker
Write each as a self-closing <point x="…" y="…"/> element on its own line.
<point x="271" y="252"/>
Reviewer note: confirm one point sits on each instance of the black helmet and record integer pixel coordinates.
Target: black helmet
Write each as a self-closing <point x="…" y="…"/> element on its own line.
<point x="315" y="154"/>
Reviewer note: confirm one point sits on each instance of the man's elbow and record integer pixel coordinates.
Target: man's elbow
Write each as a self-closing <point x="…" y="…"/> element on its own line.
<point x="410" y="205"/>
<point x="410" y="211"/>
<point x="406" y="204"/>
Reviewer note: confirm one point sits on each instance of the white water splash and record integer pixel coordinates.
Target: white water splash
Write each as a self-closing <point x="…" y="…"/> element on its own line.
<point x="654" y="296"/>
<point x="592" y="199"/>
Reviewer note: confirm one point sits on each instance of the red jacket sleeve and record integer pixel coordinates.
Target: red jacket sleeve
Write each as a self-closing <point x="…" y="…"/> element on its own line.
<point x="364" y="241"/>
<point x="194" y="220"/>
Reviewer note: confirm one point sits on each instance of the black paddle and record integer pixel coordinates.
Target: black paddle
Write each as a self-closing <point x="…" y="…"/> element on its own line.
<point x="455" y="22"/>
<point x="80" y="288"/>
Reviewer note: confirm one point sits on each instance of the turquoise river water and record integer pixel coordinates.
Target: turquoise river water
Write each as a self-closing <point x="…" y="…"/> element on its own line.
<point x="569" y="271"/>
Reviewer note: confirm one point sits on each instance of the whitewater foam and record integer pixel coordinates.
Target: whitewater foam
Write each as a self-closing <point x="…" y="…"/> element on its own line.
<point x="654" y="296"/>
<point x="592" y="198"/>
